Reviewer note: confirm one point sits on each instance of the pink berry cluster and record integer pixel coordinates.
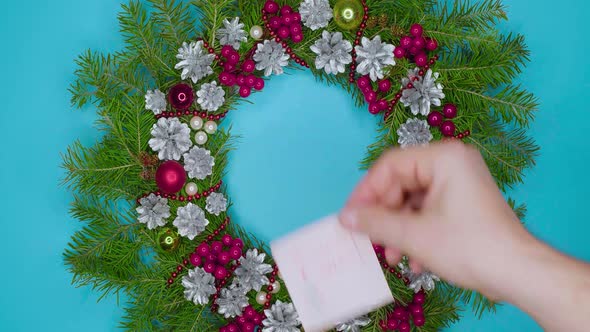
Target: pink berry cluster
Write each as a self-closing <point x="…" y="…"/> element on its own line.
<point x="286" y="23"/>
<point x="215" y="257"/>
<point x="242" y="77"/>
<point x="376" y="104"/>
<point x="437" y="119"/>
<point x="416" y="46"/>
<point x="247" y="322"/>
<point x="399" y="319"/>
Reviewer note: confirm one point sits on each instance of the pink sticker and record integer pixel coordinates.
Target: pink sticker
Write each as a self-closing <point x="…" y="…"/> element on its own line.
<point x="332" y="274"/>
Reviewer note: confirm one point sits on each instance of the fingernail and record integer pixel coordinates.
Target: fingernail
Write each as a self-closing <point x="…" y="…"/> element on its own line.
<point x="348" y="218"/>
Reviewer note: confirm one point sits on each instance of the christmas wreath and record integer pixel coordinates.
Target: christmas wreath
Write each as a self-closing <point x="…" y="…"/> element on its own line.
<point x="151" y="192"/>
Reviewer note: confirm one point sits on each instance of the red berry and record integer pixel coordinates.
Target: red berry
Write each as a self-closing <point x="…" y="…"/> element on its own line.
<point x="245" y="91"/>
<point x="363" y="82"/>
<point x="384" y="85"/>
<point x="209" y="267"/>
<point x="404" y="327"/>
<point x="257" y="320"/>
<point x="435" y="119"/>
<point x="413" y="50"/>
<point x="284" y="32"/>
<point x="406" y="42"/>
<point x="399" y="52"/>
<point x="271" y="7"/>
<point x="250" y="81"/>
<point x="248" y="327"/>
<point x="226" y="240"/>
<point x="248" y="66"/>
<point x="296" y="17"/>
<point x="431" y="44"/>
<point x="421" y="59"/>
<point x="235" y="252"/>
<point x="419" y="320"/>
<point x="233" y="328"/>
<point x="216" y="247"/>
<point x="374" y="108"/>
<point x="416" y="30"/>
<point x="419" y="43"/>
<point x="259" y="84"/>
<point x="392" y="324"/>
<point x="295" y="29"/>
<point x="286" y="10"/>
<point x="203" y="249"/>
<point x="226" y="50"/>
<point x="241" y="80"/>
<point x="382" y="104"/>
<point x="297" y="38"/>
<point x="238" y="243"/>
<point x="450" y="111"/>
<point x="274" y="22"/>
<point x="227" y="79"/>
<point x="448" y="128"/>
<point x="224" y="258"/>
<point x="241" y="320"/>
<point x="287" y="20"/>
<point x="220" y="273"/>
<point x="400" y="313"/>
<point x="370" y="96"/>
<point x="233" y="57"/>
<point x="415" y="309"/>
<point x="195" y="259"/>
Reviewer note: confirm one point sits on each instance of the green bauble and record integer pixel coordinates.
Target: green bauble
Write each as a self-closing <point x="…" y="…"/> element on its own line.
<point x="348" y="14"/>
<point x="168" y="239"/>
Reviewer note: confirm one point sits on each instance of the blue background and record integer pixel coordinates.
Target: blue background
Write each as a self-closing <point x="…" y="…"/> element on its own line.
<point x="315" y="135"/>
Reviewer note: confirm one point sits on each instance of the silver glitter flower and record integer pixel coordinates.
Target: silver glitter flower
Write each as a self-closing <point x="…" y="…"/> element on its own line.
<point x="354" y="325"/>
<point x="198" y="286"/>
<point x="315" y="14"/>
<point x="216" y="203"/>
<point x="425" y="92"/>
<point x="153" y="211"/>
<point x="190" y="221"/>
<point x="270" y="56"/>
<point x="281" y="317"/>
<point x="199" y="163"/>
<point x="251" y="274"/>
<point x="155" y="101"/>
<point x="414" y="132"/>
<point x="232" y="301"/>
<point x="195" y="61"/>
<point x="418" y="281"/>
<point x="170" y="138"/>
<point x="373" y="56"/>
<point x="333" y="52"/>
<point x="210" y="96"/>
<point x="232" y="33"/>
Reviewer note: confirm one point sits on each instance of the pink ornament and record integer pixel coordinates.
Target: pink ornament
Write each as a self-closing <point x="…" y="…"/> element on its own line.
<point x="203" y="250"/>
<point x="399" y="52"/>
<point x="241" y="80"/>
<point x="421" y="59"/>
<point x="248" y="327"/>
<point x="248" y="66"/>
<point x="363" y="82"/>
<point x="392" y="324"/>
<point x="284" y="32"/>
<point x="170" y="177"/>
<point x="448" y="128"/>
<point x="235" y="252"/>
<point x="233" y="57"/>
<point x="431" y="44"/>
<point x="296" y="17"/>
<point x="404" y="327"/>
<point x="416" y="30"/>
<point x="209" y="267"/>
<point x="286" y="10"/>
<point x="384" y="85"/>
<point x="406" y="42"/>
<point x="271" y="7"/>
<point x="275" y="23"/>
<point x="181" y="96"/>
<point x="374" y="108"/>
<point x="259" y="84"/>
<point x="450" y="111"/>
<point x="195" y="259"/>
<point x="233" y="328"/>
<point x="295" y="29"/>
<point x="419" y="298"/>
<point x="287" y="20"/>
<point x="250" y="81"/>
<point x="382" y="104"/>
<point x="370" y="96"/>
<point x="297" y="38"/>
<point x="419" y="43"/>
<point x="435" y="119"/>
<point x="224" y="258"/>
<point x="249" y="312"/>
<point x="245" y="91"/>
<point x="238" y="243"/>
<point x="227" y="79"/>
<point x="226" y="50"/>
<point x="226" y="239"/>
<point x="220" y="273"/>
<point x="229" y="67"/>
<point x="419" y="320"/>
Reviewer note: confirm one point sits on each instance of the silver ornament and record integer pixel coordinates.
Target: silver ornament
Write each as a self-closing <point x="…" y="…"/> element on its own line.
<point x="190" y="221"/>
<point x="373" y="56"/>
<point x="153" y="211"/>
<point x="270" y="57"/>
<point x="315" y="14"/>
<point x="256" y="32"/>
<point x="251" y="274"/>
<point x="414" y="132"/>
<point x="353" y="325"/>
<point x="216" y="203"/>
<point x="281" y="317"/>
<point x="199" y="163"/>
<point x="232" y="301"/>
<point x="198" y="286"/>
<point x="155" y="101"/>
<point x="424" y="93"/>
<point x="195" y="61"/>
<point x="210" y="96"/>
<point x="419" y="281"/>
<point x="333" y="52"/>
<point x="170" y="138"/>
<point x="232" y="33"/>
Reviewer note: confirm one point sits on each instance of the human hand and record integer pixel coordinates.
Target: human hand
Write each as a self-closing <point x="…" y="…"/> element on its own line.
<point x="440" y="206"/>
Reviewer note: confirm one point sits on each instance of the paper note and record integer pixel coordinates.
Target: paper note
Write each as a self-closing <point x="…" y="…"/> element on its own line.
<point x="332" y="274"/>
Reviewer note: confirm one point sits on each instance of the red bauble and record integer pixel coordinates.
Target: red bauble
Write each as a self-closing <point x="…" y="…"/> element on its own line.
<point x="296" y="17"/>
<point x="181" y="96"/>
<point x="224" y="258"/>
<point x="435" y="119"/>
<point x="284" y="32"/>
<point x="229" y="67"/>
<point x="421" y="59"/>
<point x="195" y="259"/>
<point x="245" y="91"/>
<point x="370" y="96"/>
<point x="226" y="50"/>
<point x="384" y="85"/>
<point x="216" y="247"/>
<point x="233" y="57"/>
<point x="419" y="298"/>
<point x="404" y="327"/>
<point x="399" y="52"/>
<point x="374" y="108"/>
<point x="415" y="309"/>
<point x="392" y="324"/>
<point x="414" y="50"/>
<point x="450" y="111"/>
<point x="220" y="273"/>
<point x="274" y="22"/>
<point x="238" y="243"/>
<point x="295" y="29"/>
<point x="448" y="128"/>
<point x="400" y="313"/>
<point x="209" y="267"/>
<point x="233" y="328"/>
<point x="271" y="7"/>
<point x="250" y="81"/>
<point x="287" y="20"/>
<point x="419" y="320"/>
<point x="249" y="312"/>
<point x="363" y="82"/>
<point x="419" y="43"/>
<point x="227" y="79"/>
<point x="203" y="250"/>
<point x="286" y="10"/>
<point x="431" y="44"/>
<point x="248" y="327"/>
<point x="416" y="30"/>
<point x="235" y="252"/>
<point x="248" y="66"/>
<point x="226" y="240"/>
<point x="297" y="38"/>
<point x="241" y="320"/>
<point x="259" y="84"/>
<point x="257" y="320"/>
<point x="241" y="80"/>
<point x="406" y="42"/>
<point x="382" y="104"/>
<point x="170" y="177"/>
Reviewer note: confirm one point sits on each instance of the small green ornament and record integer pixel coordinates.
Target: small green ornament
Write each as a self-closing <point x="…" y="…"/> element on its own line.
<point x="168" y="239"/>
<point x="348" y="14"/>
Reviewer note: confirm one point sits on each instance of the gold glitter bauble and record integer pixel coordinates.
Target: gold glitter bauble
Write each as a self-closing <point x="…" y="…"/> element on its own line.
<point x="348" y="14"/>
<point x="168" y="239"/>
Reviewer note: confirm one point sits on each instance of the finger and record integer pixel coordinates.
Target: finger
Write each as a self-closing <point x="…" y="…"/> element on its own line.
<point x="392" y="256"/>
<point x="415" y="266"/>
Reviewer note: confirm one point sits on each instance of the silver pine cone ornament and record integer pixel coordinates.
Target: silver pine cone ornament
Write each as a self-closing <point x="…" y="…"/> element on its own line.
<point x="354" y="325"/>
<point x="190" y="221"/>
<point x="195" y="61"/>
<point x="232" y="301"/>
<point x="270" y="57"/>
<point x="170" y="138"/>
<point x="232" y="33"/>
<point x="251" y="274"/>
<point x="281" y="317"/>
<point x="315" y="14"/>
<point x="373" y="56"/>
<point x="419" y="281"/>
<point x="210" y="96"/>
<point x="155" y="101"/>
<point x="414" y="132"/>
<point x="153" y="211"/>
<point x="199" y="163"/>
<point x="216" y="203"/>
<point x="198" y="286"/>
<point x="424" y="92"/>
<point x="333" y="52"/>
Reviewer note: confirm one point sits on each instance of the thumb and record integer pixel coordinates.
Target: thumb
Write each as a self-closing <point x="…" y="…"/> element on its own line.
<point x="397" y="229"/>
